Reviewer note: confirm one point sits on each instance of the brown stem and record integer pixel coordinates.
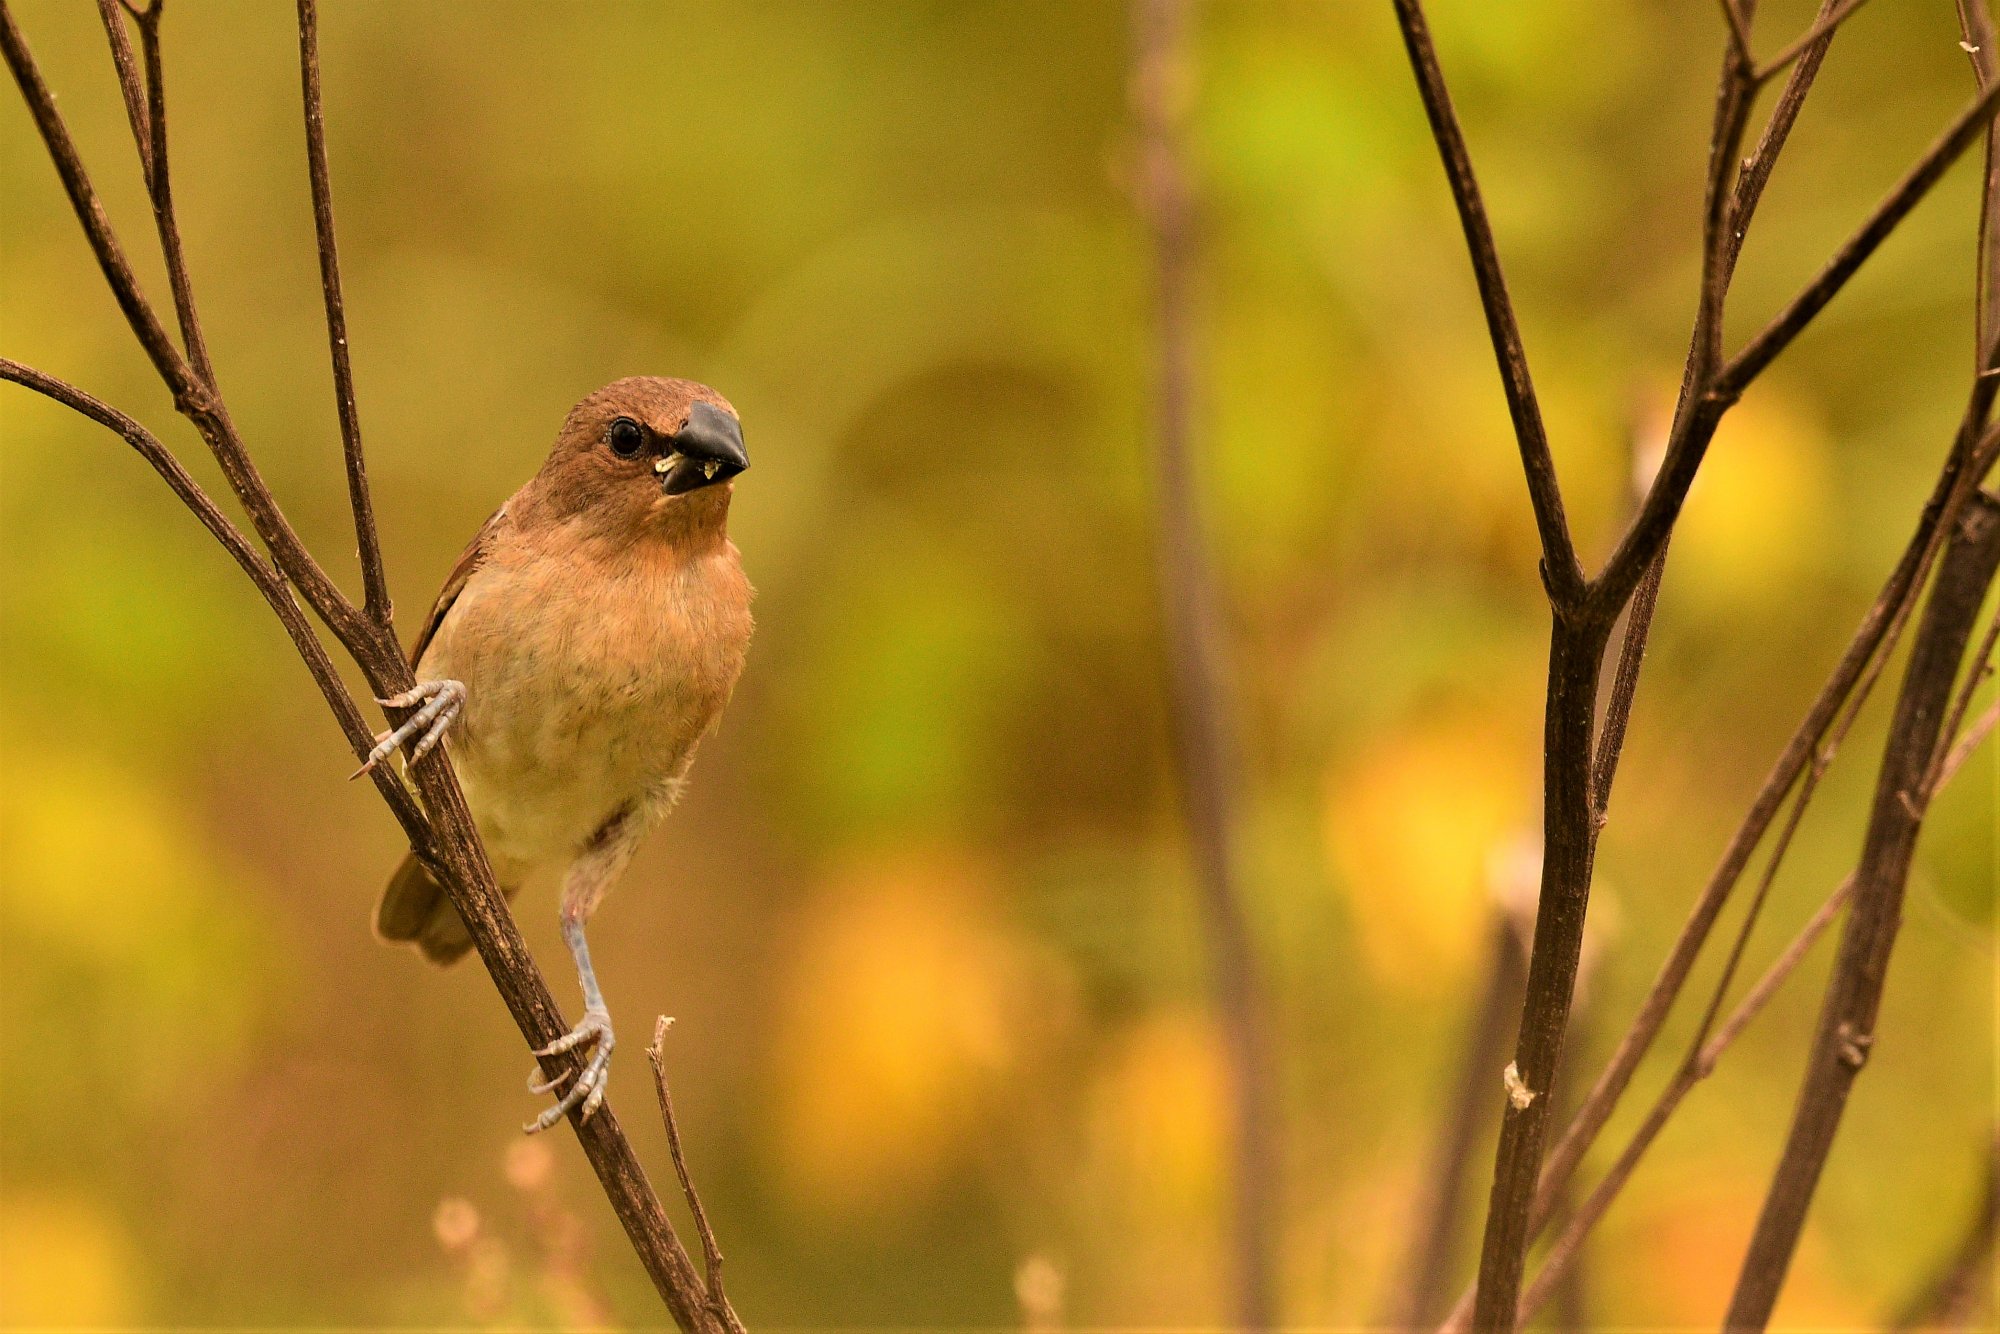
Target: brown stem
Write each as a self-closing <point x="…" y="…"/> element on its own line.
<point x="1576" y="651"/>
<point x="1561" y="570"/>
<point x="441" y="830"/>
<point x="1968" y="125"/>
<point x="1831" y="17"/>
<point x="374" y="579"/>
<point x="1428" y="1282"/>
<point x="1201" y="731"/>
<point x="1854" y="993"/>
<point x="1701" y="1061"/>
<point x="268" y="580"/>
<point x="711" y="1251"/>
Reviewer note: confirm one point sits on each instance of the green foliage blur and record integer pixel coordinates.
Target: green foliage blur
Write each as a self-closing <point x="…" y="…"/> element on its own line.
<point x="925" y="922"/>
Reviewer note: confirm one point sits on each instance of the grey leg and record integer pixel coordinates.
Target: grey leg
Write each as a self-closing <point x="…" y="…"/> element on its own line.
<point x="589" y="877"/>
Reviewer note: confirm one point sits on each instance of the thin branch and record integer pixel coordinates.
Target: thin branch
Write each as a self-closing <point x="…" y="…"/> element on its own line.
<point x="1968" y="125"/>
<point x="1563" y="1250"/>
<point x="128" y="84"/>
<point x="1977" y="33"/>
<point x="194" y="395"/>
<point x="1561" y="569"/>
<point x="1975" y="676"/>
<point x="1427" y="1283"/>
<point x="1822" y="29"/>
<point x="1624" y="685"/>
<point x="269" y="582"/>
<point x="711" y="1252"/>
<point x="1739" y="31"/>
<point x="1201" y="731"/>
<point x="1854" y="992"/>
<point x="441" y="831"/>
<point x="374" y="579"/>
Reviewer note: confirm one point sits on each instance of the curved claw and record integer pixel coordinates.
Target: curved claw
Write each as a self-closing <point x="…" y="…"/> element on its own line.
<point x="590" y="1083"/>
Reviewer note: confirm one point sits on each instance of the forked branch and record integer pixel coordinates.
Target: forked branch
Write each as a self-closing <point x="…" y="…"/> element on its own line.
<point x="440" y="829"/>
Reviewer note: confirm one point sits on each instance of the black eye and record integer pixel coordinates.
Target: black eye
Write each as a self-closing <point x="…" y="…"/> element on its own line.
<point x="626" y="437"/>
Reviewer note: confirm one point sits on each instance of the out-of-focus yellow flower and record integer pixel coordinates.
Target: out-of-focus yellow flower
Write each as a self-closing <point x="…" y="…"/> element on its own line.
<point x="1694" y="1238"/>
<point x="1757" y="518"/>
<point x="1161" y="1115"/>
<point x="1417" y="826"/>
<point x="64" y="1262"/>
<point x="899" y="1010"/>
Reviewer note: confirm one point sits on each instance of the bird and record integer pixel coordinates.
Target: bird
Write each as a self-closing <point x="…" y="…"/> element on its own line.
<point x="585" y="643"/>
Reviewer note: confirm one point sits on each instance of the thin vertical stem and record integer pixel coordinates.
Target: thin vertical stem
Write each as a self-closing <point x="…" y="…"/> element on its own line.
<point x="374" y="579"/>
<point x="1202" y="734"/>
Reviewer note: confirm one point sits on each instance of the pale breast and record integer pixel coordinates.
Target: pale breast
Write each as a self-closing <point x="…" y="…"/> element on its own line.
<point x="588" y="685"/>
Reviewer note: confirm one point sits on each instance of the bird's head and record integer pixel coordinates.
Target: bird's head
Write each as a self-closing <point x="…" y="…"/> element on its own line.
<point x="644" y="453"/>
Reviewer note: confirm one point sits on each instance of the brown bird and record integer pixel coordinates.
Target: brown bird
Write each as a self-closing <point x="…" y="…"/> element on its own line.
<point x="582" y="647"/>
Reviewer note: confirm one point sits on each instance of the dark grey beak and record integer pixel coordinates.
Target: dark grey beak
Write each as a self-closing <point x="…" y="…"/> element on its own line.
<point x="708" y="450"/>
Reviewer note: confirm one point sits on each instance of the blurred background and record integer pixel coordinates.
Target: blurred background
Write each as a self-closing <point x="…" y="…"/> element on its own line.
<point x="925" y="921"/>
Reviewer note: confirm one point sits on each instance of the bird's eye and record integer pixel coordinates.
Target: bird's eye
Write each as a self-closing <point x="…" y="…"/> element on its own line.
<point x="626" y="437"/>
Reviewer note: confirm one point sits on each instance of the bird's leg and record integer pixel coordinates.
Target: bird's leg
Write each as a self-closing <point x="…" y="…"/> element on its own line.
<point x="441" y="702"/>
<point x="583" y="887"/>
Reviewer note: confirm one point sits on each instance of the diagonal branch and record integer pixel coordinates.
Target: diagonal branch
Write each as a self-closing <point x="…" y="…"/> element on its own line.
<point x="1967" y="126"/>
<point x="374" y="579"/>
<point x="1854" y="992"/>
<point x="269" y="582"/>
<point x="1561" y="569"/>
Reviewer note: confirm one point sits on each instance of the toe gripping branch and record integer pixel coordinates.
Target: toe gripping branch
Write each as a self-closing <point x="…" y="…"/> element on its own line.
<point x="441" y="702"/>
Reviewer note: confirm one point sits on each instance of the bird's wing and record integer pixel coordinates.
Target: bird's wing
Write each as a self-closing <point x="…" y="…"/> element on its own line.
<point x="454" y="583"/>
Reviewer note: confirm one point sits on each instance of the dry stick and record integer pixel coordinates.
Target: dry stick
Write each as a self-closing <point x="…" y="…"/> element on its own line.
<point x="374" y="579"/>
<point x="194" y="396"/>
<point x="128" y="85"/>
<point x="1565" y="872"/>
<point x="1982" y="667"/>
<point x="1949" y="1299"/>
<point x="1560" y="567"/>
<point x="444" y="835"/>
<point x="1968" y="125"/>
<point x="711" y="1252"/>
<point x="1562" y="1252"/>
<point x="1428" y="1282"/>
<point x="155" y="165"/>
<point x="1854" y="992"/>
<point x="1202" y="734"/>
<point x="267" y="578"/>
<point x="1684" y="451"/>
<point x="1831" y="17"/>
<point x="1975" y="23"/>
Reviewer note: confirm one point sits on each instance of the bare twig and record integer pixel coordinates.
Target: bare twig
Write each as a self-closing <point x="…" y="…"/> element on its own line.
<point x="1202" y="733"/>
<point x="1561" y="569"/>
<point x="711" y="1252"/>
<point x="1895" y="206"/>
<point x="1427" y="1283"/>
<point x="1847" y="1021"/>
<point x="441" y="831"/>
<point x="1830" y="18"/>
<point x="375" y="581"/>
<point x="1563" y="1250"/>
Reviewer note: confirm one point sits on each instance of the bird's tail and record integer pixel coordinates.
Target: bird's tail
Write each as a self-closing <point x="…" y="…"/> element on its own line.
<point x="416" y="909"/>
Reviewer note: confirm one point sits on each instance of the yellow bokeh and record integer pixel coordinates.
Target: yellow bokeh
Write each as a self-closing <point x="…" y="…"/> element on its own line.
<point x="1756" y="520"/>
<point x="898" y="1014"/>
<point x="63" y="1263"/>
<point x="1418" y="827"/>
<point x="1161" y="1117"/>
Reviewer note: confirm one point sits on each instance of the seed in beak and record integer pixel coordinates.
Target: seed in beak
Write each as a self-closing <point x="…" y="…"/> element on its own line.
<point x="708" y="468"/>
<point x="662" y="464"/>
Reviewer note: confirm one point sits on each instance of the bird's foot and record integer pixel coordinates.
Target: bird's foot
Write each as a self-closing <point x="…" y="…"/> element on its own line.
<point x="441" y="702"/>
<point x="594" y="1029"/>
